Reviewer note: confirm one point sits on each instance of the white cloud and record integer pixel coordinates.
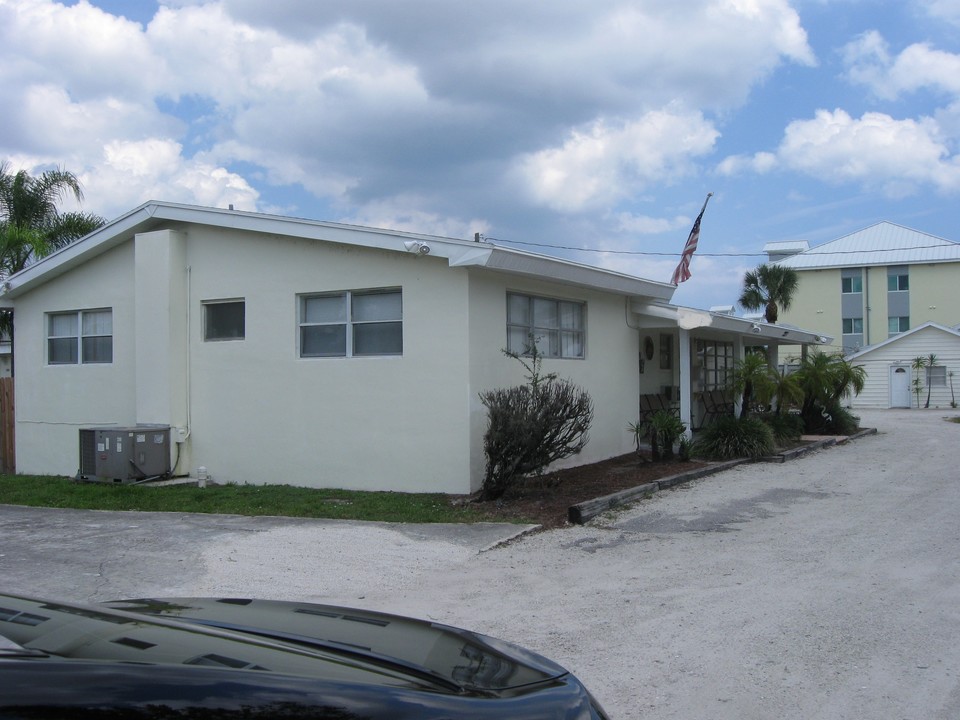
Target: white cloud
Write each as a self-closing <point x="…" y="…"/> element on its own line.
<point x="131" y="173"/>
<point x="898" y="156"/>
<point x="645" y="225"/>
<point x="948" y="10"/>
<point x="598" y="166"/>
<point x="919" y="66"/>
<point x="370" y="105"/>
<point x="399" y="213"/>
<point x="761" y="162"/>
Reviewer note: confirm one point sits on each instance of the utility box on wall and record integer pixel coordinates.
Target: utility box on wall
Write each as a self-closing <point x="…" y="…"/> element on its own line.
<point x="124" y="455"/>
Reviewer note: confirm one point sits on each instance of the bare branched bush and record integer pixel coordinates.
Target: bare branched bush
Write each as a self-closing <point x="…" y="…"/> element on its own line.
<point x="531" y="426"/>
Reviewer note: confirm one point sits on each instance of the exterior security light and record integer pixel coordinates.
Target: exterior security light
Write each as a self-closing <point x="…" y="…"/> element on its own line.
<point x="755" y="328"/>
<point x="415" y="246"/>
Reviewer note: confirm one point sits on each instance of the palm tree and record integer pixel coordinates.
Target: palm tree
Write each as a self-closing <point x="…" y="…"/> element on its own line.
<point x="31" y="225"/>
<point x="770" y="287"/>
<point x="918" y="364"/>
<point x="931" y="361"/>
<point x="826" y="379"/>
<point x="752" y="377"/>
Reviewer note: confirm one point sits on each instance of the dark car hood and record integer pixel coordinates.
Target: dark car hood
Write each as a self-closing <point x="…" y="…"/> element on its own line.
<point x="321" y="641"/>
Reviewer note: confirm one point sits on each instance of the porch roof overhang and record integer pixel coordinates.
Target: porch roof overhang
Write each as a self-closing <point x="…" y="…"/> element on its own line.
<point x="720" y="325"/>
<point x="156" y="215"/>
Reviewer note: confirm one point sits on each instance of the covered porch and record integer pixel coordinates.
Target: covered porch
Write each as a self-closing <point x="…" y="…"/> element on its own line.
<point x="687" y="357"/>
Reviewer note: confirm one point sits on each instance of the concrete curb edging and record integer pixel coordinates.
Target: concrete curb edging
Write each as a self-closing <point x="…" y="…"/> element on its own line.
<point x="582" y="513"/>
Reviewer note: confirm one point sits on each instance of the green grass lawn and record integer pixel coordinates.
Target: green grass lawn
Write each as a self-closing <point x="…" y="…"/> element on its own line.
<point x="283" y="500"/>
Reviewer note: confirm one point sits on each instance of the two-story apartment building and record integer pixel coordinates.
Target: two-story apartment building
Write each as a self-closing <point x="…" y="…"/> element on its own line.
<point x="871" y="285"/>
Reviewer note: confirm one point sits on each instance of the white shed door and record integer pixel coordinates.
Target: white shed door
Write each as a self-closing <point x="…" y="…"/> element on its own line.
<point x="899" y="387"/>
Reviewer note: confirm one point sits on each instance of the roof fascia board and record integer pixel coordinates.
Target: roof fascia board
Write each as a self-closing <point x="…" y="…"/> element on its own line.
<point x="901" y="336"/>
<point x="570" y="273"/>
<point x="692" y="319"/>
<point x="459" y="253"/>
<point x="110" y="235"/>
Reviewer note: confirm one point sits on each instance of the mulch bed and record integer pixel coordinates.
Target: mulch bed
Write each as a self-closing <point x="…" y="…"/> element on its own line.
<point x="547" y="499"/>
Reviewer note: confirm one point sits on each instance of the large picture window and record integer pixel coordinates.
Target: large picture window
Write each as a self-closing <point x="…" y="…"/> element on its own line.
<point x="80" y="337"/>
<point x="716" y="364"/>
<point x="351" y="323"/>
<point x="555" y="326"/>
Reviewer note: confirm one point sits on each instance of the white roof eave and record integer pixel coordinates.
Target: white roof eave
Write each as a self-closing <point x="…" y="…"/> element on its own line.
<point x="458" y="253"/>
<point x="761" y="332"/>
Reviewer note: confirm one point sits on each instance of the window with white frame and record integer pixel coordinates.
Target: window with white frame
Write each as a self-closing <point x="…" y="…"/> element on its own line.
<point x="224" y="320"/>
<point x="80" y="337"/>
<point x="351" y="323"/>
<point x="555" y="326"/>
<point x="898" y="279"/>
<point x="937" y="376"/>
<point x="852" y="326"/>
<point x="852" y="284"/>
<point x="715" y="360"/>
<point x="896" y="325"/>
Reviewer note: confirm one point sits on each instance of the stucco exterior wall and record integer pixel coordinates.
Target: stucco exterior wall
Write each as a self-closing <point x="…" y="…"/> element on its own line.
<point x="261" y="413"/>
<point x="934" y="293"/>
<point x="608" y="371"/>
<point x="816" y="305"/>
<point x="54" y="401"/>
<point x="254" y="411"/>
<point x="251" y="410"/>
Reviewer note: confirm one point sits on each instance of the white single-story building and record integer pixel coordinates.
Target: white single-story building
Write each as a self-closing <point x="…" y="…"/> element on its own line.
<point x="891" y="375"/>
<point x="282" y="350"/>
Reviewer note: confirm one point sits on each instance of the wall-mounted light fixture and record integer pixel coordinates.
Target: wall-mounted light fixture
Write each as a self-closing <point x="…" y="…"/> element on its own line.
<point x="416" y="246"/>
<point x="755" y="328"/>
<point x="822" y="339"/>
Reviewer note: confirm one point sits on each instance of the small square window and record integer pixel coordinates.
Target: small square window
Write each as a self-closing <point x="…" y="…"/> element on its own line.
<point x="852" y="326"/>
<point x="851" y="284"/>
<point x="898" y="282"/>
<point x="224" y="320"/>
<point x="937" y="376"/>
<point x="897" y="325"/>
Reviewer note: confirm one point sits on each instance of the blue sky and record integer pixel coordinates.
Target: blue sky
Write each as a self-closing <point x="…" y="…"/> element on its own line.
<point x="592" y="131"/>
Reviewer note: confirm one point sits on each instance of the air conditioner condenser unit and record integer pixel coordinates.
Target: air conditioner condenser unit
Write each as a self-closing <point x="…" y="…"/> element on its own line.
<point x="124" y="455"/>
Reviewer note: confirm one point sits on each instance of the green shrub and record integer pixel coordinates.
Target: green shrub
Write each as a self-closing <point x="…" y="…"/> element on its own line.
<point x="832" y="420"/>
<point x="530" y="426"/>
<point x="730" y="437"/>
<point x="785" y="428"/>
<point x="665" y="429"/>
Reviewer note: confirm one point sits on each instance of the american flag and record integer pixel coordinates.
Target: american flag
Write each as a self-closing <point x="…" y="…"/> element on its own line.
<point x="682" y="272"/>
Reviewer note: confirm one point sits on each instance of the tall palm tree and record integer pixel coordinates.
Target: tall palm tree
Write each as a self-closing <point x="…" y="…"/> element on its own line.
<point x="931" y="361"/>
<point x="770" y="287"/>
<point x="32" y="226"/>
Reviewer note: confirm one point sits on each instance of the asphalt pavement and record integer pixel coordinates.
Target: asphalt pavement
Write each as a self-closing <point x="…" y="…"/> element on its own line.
<point x="825" y="588"/>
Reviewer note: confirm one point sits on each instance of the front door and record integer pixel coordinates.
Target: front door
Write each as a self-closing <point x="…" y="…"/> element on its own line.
<point x="899" y="387"/>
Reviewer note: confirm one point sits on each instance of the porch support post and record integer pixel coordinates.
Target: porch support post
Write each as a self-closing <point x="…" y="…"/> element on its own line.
<point x="738" y="358"/>
<point x="686" y="383"/>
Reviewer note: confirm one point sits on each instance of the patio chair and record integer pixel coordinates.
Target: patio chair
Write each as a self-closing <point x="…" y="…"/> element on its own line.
<point x="715" y="405"/>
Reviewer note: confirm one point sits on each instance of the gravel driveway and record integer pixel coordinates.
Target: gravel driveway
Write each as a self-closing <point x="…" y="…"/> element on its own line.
<point x="824" y="588"/>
